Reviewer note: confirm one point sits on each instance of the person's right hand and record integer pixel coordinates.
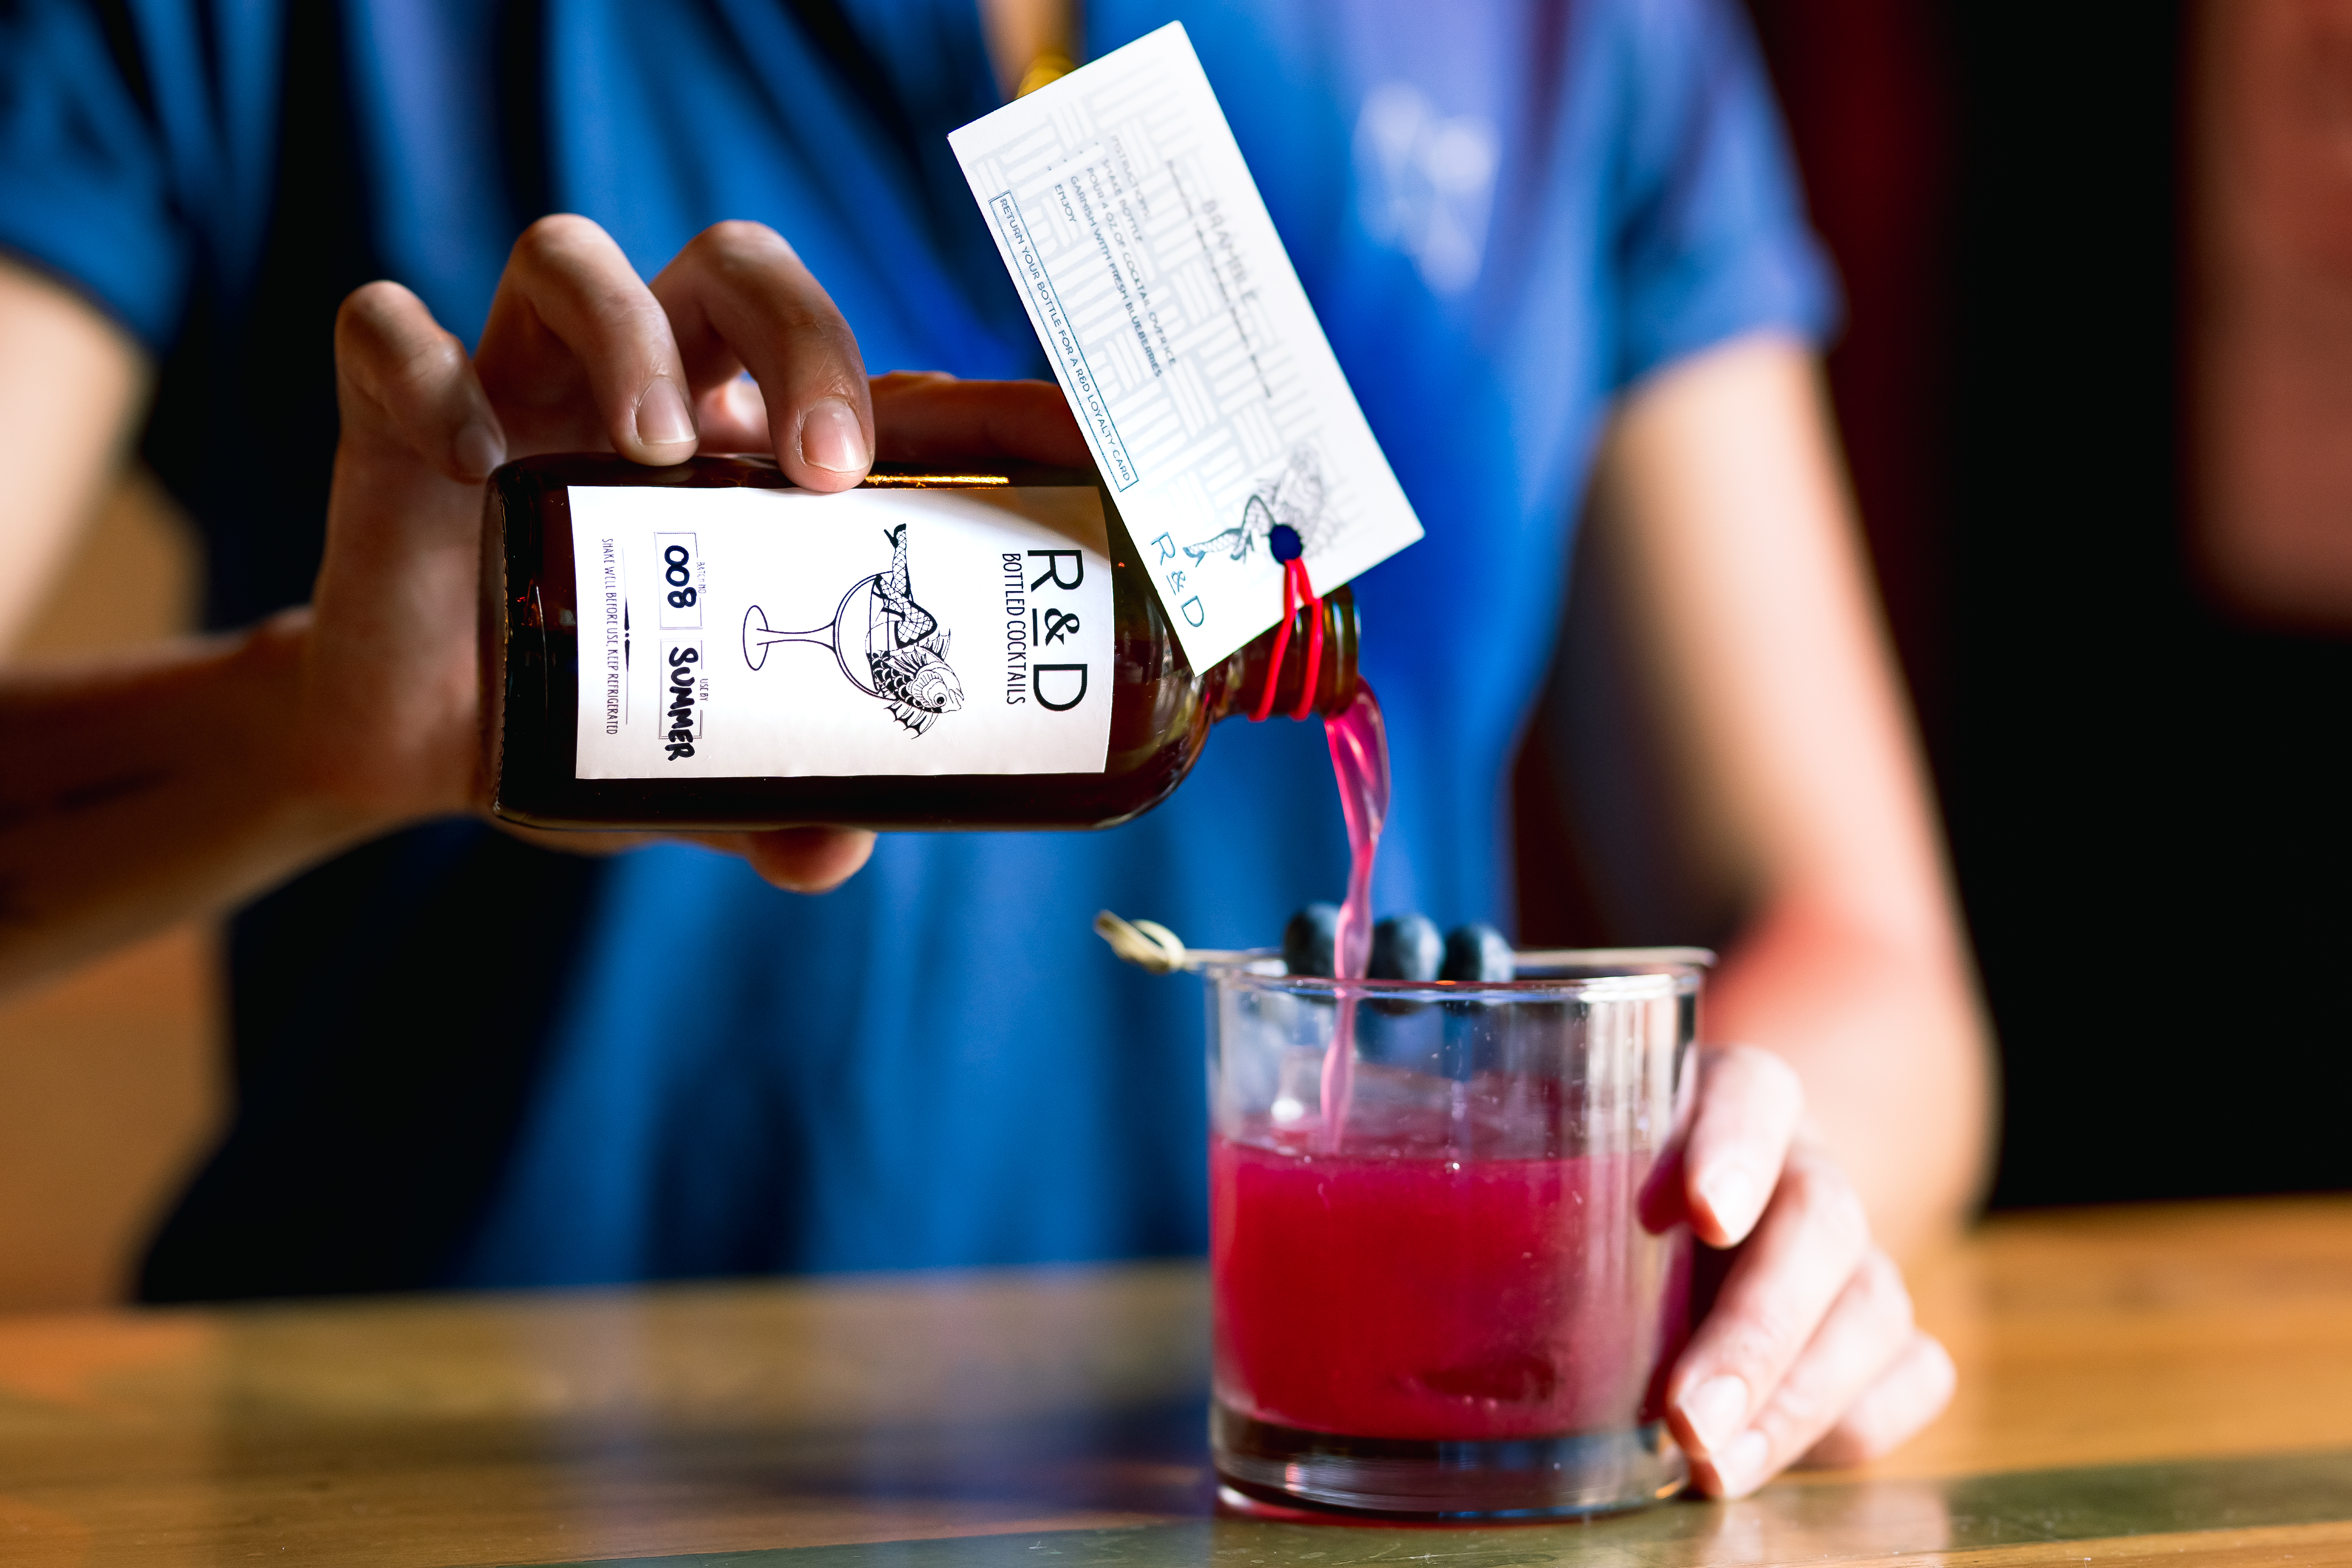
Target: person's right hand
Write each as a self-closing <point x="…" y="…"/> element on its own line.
<point x="1808" y="1353"/>
<point x="582" y="355"/>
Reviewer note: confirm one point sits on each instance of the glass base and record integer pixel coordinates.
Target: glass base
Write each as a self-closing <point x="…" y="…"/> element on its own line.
<point x="1528" y="1478"/>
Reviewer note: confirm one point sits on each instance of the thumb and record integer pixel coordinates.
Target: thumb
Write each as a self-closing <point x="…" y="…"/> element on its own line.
<point x="390" y="674"/>
<point x="406" y="387"/>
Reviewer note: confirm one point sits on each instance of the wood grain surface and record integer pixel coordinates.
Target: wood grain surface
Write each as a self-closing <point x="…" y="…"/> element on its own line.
<point x="112" y="1080"/>
<point x="2100" y="1335"/>
<point x="2167" y="1384"/>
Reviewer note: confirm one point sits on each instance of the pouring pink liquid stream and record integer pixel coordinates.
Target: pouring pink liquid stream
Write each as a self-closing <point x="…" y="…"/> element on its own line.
<point x="1359" y="738"/>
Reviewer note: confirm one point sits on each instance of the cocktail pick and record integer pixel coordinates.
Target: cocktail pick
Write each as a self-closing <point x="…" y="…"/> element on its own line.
<point x="1612" y="957"/>
<point x="1150" y="945"/>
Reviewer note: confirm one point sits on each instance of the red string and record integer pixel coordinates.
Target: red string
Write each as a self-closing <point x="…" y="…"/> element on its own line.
<point x="1295" y="586"/>
<point x="1265" y="708"/>
<point x="1314" y="642"/>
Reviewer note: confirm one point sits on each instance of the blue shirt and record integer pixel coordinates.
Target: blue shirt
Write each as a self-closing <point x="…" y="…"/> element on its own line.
<point x="1504" y="215"/>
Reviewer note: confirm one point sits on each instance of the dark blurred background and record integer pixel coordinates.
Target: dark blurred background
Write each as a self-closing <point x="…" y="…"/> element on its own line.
<point x="2145" y="791"/>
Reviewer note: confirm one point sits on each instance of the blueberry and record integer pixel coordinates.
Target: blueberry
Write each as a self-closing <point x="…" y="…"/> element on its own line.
<point x="1406" y="947"/>
<point x="1311" y="938"/>
<point x="1478" y="951"/>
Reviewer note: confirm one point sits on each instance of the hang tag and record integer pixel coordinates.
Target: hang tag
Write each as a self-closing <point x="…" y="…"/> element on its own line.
<point x="1182" y="337"/>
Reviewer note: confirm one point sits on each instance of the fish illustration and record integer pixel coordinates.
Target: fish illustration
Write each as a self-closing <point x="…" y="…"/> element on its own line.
<point x="907" y="649"/>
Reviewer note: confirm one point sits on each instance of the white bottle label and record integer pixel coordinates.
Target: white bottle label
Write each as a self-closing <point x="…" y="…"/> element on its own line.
<point x="741" y="633"/>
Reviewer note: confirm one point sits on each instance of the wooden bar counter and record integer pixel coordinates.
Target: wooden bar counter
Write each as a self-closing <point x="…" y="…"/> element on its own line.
<point x="2138" y="1385"/>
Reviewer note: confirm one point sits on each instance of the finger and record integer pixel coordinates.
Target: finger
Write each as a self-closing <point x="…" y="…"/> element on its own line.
<point x="740" y="299"/>
<point x="732" y="417"/>
<point x="1749" y="1103"/>
<point x="1779" y="1289"/>
<point x="390" y="679"/>
<point x="592" y="843"/>
<point x="1866" y="1328"/>
<point x="578" y="353"/>
<point x="809" y="859"/>
<point x="1910" y="1393"/>
<point x="923" y="418"/>
<point x="797" y="859"/>
<point x="404" y="383"/>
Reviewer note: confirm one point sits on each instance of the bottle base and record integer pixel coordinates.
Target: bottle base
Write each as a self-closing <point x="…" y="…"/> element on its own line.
<point x="1396" y="1477"/>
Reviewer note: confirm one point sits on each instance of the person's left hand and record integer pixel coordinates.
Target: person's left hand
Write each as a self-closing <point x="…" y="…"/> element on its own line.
<point x="1808" y="1353"/>
<point x="582" y="355"/>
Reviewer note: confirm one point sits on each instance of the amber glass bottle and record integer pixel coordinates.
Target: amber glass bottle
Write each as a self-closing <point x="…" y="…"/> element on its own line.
<point x="999" y="658"/>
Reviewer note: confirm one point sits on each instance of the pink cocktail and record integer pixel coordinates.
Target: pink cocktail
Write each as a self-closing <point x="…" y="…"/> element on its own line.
<point x="1430" y="1298"/>
<point x="1453" y="1306"/>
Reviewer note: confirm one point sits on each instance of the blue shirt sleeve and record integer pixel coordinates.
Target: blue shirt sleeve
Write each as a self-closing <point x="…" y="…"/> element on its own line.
<point x="85" y="193"/>
<point x="1713" y="240"/>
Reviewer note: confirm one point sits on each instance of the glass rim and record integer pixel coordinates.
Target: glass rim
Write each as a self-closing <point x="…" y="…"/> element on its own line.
<point x="1566" y="975"/>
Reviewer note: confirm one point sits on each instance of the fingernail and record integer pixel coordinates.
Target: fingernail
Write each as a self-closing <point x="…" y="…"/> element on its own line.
<point x="832" y="438"/>
<point x="479" y="450"/>
<point x="1716" y="1410"/>
<point x="1739" y="1469"/>
<point x="1731" y="1197"/>
<point x="662" y="418"/>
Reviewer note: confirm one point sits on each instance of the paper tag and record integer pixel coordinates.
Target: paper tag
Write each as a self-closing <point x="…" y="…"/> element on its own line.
<point x="782" y="634"/>
<point x="1182" y="337"/>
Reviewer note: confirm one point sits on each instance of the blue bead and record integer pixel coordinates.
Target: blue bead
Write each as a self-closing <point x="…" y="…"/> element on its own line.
<point x="1310" y="941"/>
<point x="1284" y="540"/>
<point x="1478" y="951"/>
<point x="1407" y="947"/>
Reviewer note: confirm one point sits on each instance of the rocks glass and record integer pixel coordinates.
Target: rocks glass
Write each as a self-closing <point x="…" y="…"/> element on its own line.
<point x="1444" y="1288"/>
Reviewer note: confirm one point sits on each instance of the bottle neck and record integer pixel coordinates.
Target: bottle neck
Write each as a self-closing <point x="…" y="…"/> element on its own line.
<point x="1235" y="685"/>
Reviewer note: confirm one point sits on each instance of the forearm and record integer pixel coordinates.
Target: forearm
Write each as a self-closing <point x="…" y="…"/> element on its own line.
<point x="1786" y="718"/>
<point x="71" y="384"/>
<point x="1883" y="1027"/>
<point x="171" y="783"/>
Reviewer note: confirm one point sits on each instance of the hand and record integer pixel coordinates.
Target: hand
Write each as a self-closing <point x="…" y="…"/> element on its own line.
<point x="1808" y="1353"/>
<point x="579" y="354"/>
